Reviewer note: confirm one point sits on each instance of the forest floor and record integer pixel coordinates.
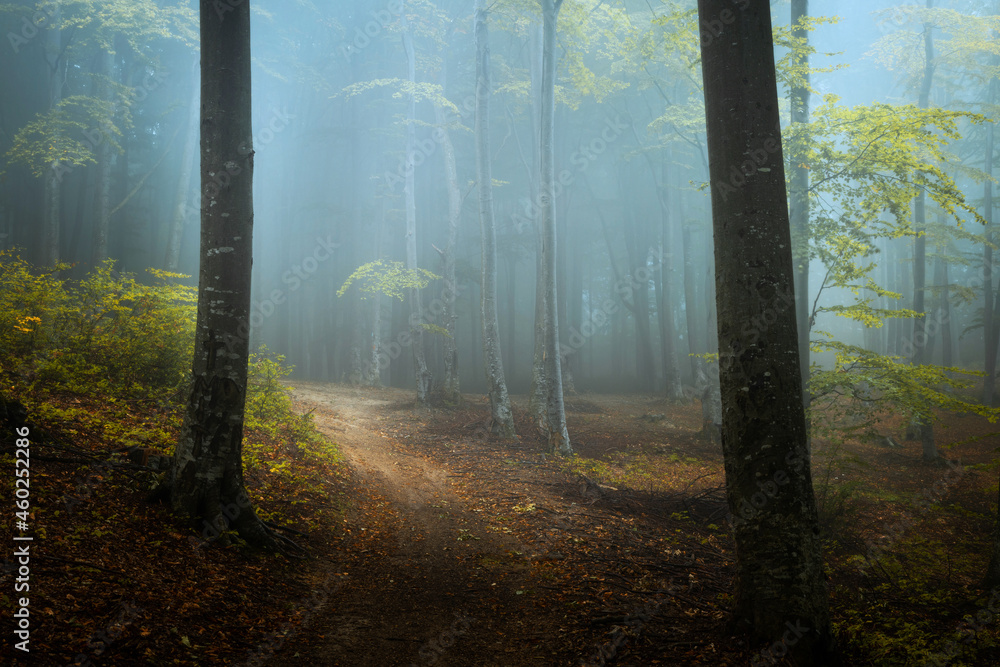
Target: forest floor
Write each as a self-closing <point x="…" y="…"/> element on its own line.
<point x="432" y="543"/>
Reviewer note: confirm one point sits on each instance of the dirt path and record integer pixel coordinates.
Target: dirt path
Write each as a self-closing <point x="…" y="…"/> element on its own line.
<point x="428" y="591"/>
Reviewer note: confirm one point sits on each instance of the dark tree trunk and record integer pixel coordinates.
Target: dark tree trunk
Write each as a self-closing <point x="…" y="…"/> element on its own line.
<point x="206" y="480"/>
<point x="780" y="578"/>
<point x="502" y="419"/>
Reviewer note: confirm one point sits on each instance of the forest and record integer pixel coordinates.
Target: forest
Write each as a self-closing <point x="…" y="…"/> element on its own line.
<point x="500" y="332"/>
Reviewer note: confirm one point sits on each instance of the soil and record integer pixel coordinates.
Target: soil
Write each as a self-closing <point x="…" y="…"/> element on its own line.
<point x="487" y="553"/>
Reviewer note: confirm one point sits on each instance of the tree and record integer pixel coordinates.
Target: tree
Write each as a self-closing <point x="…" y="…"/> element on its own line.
<point x="502" y="417"/>
<point x="206" y="478"/>
<point x="420" y="370"/>
<point x="925" y="426"/>
<point x="555" y="410"/>
<point x="779" y="568"/>
<point x="799" y="187"/>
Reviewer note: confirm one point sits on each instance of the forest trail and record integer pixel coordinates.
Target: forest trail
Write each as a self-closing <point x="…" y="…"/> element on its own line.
<point x="421" y="595"/>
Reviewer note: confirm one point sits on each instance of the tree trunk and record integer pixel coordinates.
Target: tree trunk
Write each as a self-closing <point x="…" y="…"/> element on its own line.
<point x="690" y="302"/>
<point x="990" y="326"/>
<point x="637" y="283"/>
<point x="421" y="374"/>
<point x="102" y="213"/>
<point x="502" y="419"/>
<point x="924" y="424"/>
<point x="780" y="580"/>
<point x="555" y="411"/>
<point x="206" y="480"/>
<point x="52" y="204"/>
<point x="538" y="392"/>
<point x="175" y="233"/>
<point x="798" y="198"/>
<point x="451" y="389"/>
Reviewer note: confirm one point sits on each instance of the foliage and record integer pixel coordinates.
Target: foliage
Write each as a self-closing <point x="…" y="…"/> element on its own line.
<point x="60" y="135"/>
<point x="861" y="382"/>
<point x="390" y="278"/>
<point x="281" y="449"/>
<point x="106" y="332"/>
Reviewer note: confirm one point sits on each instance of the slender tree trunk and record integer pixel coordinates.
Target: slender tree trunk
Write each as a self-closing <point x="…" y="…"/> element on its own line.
<point x="690" y="303"/>
<point x="511" y="340"/>
<point x="925" y="426"/>
<point x="538" y="392"/>
<point x="799" y="197"/>
<point x="451" y="390"/>
<point x="555" y="410"/>
<point x="991" y="330"/>
<point x="102" y="213"/>
<point x="990" y="326"/>
<point x="637" y="283"/>
<point x="502" y="422"/>
<point x="175" y="233"/>
<point x="52" y="205"/>
<point x="206" y="480"/>
<point x="420" y="371"/>
<point x="780" y="580"/>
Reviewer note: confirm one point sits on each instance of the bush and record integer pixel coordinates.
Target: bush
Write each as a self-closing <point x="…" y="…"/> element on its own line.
<point x="105" y="332"/>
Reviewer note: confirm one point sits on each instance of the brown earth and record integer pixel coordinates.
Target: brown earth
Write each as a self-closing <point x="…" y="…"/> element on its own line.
<point x="492" y="555"/>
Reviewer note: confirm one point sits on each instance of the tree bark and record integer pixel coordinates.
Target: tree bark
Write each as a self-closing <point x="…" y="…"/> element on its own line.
<point x="102" y="213"/>
<point x="780" y="578"/>
<point x="175" y="233"/>
<point x="799" y="198"/>
<point x="690" y="303"/>
<point x="538" y="392"/>
<point x="502" y="419"/>
<point x="52" y="204"/>
<point x="555" y="411"/>
<point x="451" y="389"/>
<point x="925" y="427"/>
<point x="990" y="326"/>
<point x="421" y="373"/>
<point x="206" y="479"/>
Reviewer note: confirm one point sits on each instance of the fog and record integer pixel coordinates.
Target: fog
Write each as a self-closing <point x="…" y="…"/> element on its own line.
<point x="330" y="103"/>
